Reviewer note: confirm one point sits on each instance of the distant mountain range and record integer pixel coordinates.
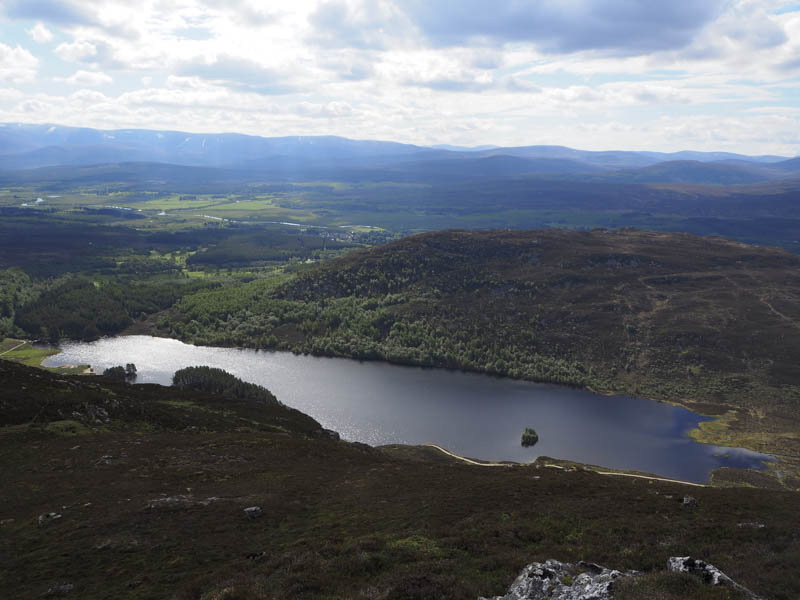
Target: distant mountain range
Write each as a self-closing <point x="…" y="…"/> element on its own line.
<point x="30" y="146"/>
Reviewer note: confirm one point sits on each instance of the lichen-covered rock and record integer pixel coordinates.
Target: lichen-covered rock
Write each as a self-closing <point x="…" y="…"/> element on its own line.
<point x="554" y="580"/>
<point x="705" y="571"/>
<point x="47" y="518"/>
<point x="252" y="512"/>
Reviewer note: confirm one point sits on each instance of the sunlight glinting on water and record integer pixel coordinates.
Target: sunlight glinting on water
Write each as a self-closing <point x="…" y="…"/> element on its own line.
<point x="470" y="414"/>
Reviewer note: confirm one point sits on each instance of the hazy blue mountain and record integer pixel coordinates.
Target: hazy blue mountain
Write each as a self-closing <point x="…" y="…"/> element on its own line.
<point x="30" y="146"/>
<point x="714" y="156"/>
<point x="625" y="159"/>
<point x="692" y="171"/>
<point x="608" y="159"/>
<point x="791" y="165"/>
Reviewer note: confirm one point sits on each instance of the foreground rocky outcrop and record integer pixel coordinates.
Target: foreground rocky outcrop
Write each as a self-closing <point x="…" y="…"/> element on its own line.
<point x="554" y="580"/>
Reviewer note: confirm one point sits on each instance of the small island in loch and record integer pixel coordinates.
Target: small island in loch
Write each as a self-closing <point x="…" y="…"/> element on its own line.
<point x="529" y="437"/>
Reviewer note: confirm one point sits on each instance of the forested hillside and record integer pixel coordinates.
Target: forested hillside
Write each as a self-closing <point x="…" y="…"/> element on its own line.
<point x="706" y="322"/>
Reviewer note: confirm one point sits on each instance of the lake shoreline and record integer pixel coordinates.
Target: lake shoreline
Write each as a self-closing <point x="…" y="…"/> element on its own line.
<point x="490" y="429"/>
<point x="715" y="435"/>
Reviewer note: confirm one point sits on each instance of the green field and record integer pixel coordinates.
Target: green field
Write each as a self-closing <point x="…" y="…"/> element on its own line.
<point x="754" y="214"/>
<point x="24" y="352"/>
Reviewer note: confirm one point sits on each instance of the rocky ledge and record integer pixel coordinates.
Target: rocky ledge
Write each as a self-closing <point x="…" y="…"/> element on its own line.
<point x="554" y="580"/>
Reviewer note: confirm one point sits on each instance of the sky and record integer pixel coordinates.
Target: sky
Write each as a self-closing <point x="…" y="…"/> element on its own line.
<point x="590" y="74"/>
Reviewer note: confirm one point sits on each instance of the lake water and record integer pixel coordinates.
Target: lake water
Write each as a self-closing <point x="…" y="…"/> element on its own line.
<point x="470" y="414"/>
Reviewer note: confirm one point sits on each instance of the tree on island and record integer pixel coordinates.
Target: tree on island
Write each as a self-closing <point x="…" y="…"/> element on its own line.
<point x="529" y="437"/>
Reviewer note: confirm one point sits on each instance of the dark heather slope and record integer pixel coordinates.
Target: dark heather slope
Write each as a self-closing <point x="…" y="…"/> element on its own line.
<point x="141" y="492"/>
<point x="706" y="322"/>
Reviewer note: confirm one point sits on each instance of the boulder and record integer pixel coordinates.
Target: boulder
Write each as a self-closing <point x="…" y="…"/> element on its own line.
<point x="252" y="512"/>
<point x="46" y="518"/>
<point x="554" y="580"/>
<point x="705" y="571"/>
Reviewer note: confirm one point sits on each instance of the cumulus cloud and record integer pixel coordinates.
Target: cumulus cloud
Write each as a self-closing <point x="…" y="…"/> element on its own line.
<point x="453" y="84"/>
<point x="245" y="12"/>
<point x="519" y="84"/>
<point x="748" y="33"/>
<point x="476" y="83"/>
<point x="71" y="13"/>
<point x="750" y="23"/>
<point x="32" y="107"/>
<point x="790" y="66"/>
<point x="349" y="67"/>
<point x="617" y="94"/>
<point x="86" y="78"/>
<point x="329" y="110"/>
<point x="10" y="94"/>
<point x="77" y="51"/>
<point x="61" y="12"/>
<point x="365" y="24"/>
<point x="708" y="131"/>
<point x="185" y="94"/>
<point x="457" y="71"/>
<point x="624" y="27"/>
<point x="238" y="73"/>
<point x="620" y="27"/>
<point x="17" y="65"/>
<point x="94" y="52"/>
<point x="39" y="33"/>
